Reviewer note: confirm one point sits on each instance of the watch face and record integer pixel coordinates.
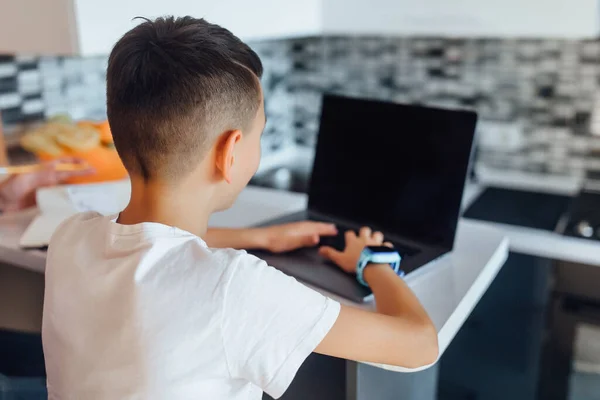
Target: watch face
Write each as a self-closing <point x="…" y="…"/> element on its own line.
<point x="382" y="249"/>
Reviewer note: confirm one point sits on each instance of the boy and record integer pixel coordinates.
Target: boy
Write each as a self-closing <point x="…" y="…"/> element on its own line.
<point x="137" y="305"/>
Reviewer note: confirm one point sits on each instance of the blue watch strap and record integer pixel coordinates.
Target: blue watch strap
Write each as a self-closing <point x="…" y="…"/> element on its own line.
<point x="367" y="257"/>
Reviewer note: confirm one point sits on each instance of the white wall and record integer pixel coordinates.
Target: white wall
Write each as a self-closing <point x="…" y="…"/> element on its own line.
<point x="101" y="23"/>
<point x="522" y="18"/>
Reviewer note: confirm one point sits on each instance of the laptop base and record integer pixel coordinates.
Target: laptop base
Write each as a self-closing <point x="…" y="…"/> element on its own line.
<point x="308" y="266"/>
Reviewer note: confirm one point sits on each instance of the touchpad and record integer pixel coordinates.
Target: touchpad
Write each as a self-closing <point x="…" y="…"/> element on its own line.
<point x="308" y="266"/>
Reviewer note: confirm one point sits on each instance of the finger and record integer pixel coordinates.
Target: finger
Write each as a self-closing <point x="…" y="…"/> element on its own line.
<point x="365" y="232"/>
<point x="349" y="235"/>
<point x="310" y="240"/>
<point x="377" y="237"/>
<point x="324" y="229"/>
<point x="64" y="175"/>
<point x="309" y="227"/>
<point x="71" y="160"/>
<point x="51" y="165"/>
<point x="388" y="244"/>
<point x="331" y="254"/>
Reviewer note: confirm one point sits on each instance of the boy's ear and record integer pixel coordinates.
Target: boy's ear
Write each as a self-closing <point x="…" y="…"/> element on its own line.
<point x="226" y="153"/>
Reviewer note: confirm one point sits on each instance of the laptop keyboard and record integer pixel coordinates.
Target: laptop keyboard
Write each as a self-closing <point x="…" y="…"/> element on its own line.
<point x="338" y="242"/>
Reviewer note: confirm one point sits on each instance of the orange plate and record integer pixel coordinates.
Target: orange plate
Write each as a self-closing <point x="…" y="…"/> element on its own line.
<point x="105" y="161"/>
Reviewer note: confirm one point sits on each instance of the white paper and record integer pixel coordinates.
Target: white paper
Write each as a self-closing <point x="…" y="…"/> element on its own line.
<point x="41" y="229"/>
<point x="105" y="199"/>
<point x="59" y="203"/>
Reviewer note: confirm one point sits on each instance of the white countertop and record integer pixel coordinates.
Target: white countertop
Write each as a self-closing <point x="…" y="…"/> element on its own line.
<point x="449" y="288"/>
<point x="530" y="241"/>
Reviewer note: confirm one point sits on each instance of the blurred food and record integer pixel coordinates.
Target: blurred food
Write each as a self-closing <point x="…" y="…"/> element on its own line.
<point x="102" y="127"/>
<point x="89" y="140"/>
<point x="105" y="133"/>
<point x="78" y="138"/>
<point x="64" y="118"/>
<point x="39" y="143"/>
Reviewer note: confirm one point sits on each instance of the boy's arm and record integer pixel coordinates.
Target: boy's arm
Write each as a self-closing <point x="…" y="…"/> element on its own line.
<point x="277" y="238"/>
<point x="399" y="333"/>
<point x="240" y="238"/>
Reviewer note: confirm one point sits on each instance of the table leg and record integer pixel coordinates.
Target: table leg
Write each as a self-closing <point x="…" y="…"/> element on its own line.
<point x="364" y="382"/>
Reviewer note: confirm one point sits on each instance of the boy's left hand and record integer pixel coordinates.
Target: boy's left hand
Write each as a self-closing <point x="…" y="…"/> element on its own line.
<point x="287" y="237"/>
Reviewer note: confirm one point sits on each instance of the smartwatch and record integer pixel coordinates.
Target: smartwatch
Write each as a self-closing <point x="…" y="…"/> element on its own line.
<point x="377" y="255"/>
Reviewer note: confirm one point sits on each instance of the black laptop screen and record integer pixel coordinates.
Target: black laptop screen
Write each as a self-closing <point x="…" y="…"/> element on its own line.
<point x="399" y="168"/>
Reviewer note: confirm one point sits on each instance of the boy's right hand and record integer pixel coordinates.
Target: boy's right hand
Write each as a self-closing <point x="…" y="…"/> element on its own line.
<point x="399" y="333"/>
<point x="348" y="258"/>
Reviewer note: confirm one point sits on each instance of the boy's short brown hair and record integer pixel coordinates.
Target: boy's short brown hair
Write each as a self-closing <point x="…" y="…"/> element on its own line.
<point x="173" y="84"/>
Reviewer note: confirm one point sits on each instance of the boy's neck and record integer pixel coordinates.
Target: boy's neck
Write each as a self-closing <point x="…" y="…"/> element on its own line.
<point x="166" y="204"/>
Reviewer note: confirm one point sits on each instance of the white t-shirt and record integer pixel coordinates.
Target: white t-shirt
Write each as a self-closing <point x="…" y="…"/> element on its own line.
<point x="148" y="311"/>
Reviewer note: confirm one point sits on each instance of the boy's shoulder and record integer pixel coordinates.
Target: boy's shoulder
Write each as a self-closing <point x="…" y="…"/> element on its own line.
<point x="76" y="227"/>
<point x="235" y="259"/>
<point x="83" y="227"/>
<point x="75" y="222"/>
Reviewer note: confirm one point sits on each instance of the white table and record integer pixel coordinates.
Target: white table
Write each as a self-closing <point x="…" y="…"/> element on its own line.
<point x="448" y="288"/>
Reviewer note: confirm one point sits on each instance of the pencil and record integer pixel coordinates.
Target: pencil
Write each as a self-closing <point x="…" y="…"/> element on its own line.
<point x="27" y="169"/>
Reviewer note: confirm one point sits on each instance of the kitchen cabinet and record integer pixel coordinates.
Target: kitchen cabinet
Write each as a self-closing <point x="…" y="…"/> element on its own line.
<point x="572" y="346"/>
<point x="497" y="354"/>
<point x="87" y="27"/>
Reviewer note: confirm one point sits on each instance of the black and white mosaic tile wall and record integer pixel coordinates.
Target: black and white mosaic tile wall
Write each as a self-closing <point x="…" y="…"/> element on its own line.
<point x="538" y="100"/>
<point x="32" y="88"/>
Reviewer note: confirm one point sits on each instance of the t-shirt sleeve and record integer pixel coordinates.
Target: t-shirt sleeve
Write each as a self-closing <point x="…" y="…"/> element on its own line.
<point x="271" y="323"/>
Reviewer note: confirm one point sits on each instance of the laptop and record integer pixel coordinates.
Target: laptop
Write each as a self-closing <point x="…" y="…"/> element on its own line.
<point x="397" y="168"/>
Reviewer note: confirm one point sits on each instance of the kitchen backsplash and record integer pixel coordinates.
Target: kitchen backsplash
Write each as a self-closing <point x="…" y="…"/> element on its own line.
<point x="32" y="88"/>
<point x="538" y="100"/>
